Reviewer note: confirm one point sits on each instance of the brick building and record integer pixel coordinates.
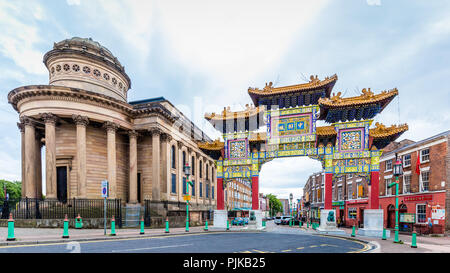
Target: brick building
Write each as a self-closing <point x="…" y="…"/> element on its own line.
<point x="238" y="196"/>
<point x="264" y="205"/>
<point x="349" y="195"/>
<point x="424" y="193"/>
<point x="285" y="203"/>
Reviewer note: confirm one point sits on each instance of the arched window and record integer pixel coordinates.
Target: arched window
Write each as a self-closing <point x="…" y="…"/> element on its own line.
<point x="193" y="165"/>
<point x="174" y="165"/>
<point x="207" y="173"/>
<point x="184" y="159"/>
<point x="201" y="169"/>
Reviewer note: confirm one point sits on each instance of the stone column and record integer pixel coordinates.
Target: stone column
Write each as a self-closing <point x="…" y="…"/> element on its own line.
<point x="196" y="177"/>
<point x="111" y="129"/>
<point x="156" y="186"/>
<point x="165" y="142"/>
<point x="211" y="183"/>
<point x="22" y="135"/>
<point x="30" y="156"/>
<point x="50" y="154"/>
<point x="81" y="123"/>
<point x="133" y="167"/>
<point x="180" y="170"/>
<point x="38" y="165"/>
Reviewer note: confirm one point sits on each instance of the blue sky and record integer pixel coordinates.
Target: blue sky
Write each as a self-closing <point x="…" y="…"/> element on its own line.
<point x="203" y="55"/>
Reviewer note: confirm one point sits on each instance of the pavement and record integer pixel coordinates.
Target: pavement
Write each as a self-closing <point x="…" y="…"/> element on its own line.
<point x="54" y="235"/>
<point x="425" y="244"/>
<point x="286" y="241"/>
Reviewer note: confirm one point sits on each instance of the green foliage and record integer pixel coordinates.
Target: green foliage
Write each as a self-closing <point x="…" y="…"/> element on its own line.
<point x="275" y="205"/>
<point x="13" y="188"/>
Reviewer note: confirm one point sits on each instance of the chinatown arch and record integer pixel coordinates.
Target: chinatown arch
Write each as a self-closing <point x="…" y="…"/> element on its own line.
<point x="347" y="145"/>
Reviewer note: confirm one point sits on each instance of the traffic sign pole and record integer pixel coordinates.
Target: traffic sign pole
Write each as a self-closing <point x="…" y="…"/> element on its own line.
<point x="105" y="192"/>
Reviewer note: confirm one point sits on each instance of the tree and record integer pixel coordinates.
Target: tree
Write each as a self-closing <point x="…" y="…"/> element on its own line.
<point x="13" y="188"/>
<point x="274" y="205"/>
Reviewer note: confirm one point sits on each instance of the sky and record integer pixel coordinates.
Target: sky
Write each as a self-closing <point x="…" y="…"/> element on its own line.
<point x="203" y="56"/>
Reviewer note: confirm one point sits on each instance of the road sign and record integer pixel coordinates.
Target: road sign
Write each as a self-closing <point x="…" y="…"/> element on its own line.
<point x="105" y="188"/>
<point x="187" y="198"/>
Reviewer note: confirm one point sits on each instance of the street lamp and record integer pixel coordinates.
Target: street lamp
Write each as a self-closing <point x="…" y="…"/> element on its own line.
<point x="398" y="170"/>
<point x="291" y="196"/>
<point x="187" y="172"/>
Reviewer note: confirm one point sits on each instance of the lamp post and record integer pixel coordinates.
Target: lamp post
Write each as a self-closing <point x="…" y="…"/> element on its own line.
<point x="187" y="172"/>
<point x="398" y="170"/>
<point x="291" y="196"/>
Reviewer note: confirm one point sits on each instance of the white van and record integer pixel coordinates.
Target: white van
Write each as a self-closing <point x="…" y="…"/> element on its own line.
<point x="277" y="220"/>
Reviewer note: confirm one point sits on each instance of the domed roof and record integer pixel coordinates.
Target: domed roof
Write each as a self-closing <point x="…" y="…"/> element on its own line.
<point x="86" y="47"/>
<point x="87" y="44"/>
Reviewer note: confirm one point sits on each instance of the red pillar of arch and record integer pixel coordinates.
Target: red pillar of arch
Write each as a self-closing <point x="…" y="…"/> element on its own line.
<point x="328" y="191"/>
<point x="220" y="195"/>
<point x="255" y="193"/>
<point x="374" y="190"/>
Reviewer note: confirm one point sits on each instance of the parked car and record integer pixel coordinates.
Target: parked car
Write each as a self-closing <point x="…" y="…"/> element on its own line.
<point x="277" y="220"/>
<point x="237" y="221"/>
<point x="285" y="220"/>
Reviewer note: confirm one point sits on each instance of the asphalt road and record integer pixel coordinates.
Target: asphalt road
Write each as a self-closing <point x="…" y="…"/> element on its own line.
<point x="226" y="242"/>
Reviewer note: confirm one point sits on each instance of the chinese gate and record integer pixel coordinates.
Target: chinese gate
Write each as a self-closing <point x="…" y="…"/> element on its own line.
<point x="290" y="114"/>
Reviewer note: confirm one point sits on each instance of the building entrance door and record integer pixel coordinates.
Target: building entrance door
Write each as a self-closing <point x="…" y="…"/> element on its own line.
<point x="61" y="184"/>
<point x="361" y="217"/>
<point x="139" y="188"/>
<point x="391" y="217"/>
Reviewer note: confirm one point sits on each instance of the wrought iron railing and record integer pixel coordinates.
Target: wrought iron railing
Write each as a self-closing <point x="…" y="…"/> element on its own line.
<point x="30" y="208"/>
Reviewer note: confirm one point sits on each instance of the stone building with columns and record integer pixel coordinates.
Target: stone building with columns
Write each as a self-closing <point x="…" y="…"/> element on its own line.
<point x="90" y="133"/>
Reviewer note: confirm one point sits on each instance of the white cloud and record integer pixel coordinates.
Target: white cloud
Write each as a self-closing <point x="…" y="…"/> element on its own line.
<point x="232" y="42"/>
<point x="73" y="2"/>
<point x="19" y="36"/>
<point x="10" y="167"/>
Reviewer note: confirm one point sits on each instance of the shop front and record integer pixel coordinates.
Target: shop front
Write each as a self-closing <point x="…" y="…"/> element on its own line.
<point x="355" y="212"/>
<point x="315" y="212"/>
<point x="424" y="212"/>
<point x="339" y="206"/>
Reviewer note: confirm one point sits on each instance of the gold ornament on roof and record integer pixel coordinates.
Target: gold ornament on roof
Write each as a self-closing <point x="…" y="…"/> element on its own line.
<point x="367" y="93"/>
<point x="381" y="130"/>
<point x="315" y="80"/>
<point x="313" y="83"/>
<point x="268" y="87"/>
<point x="336" y="98"/>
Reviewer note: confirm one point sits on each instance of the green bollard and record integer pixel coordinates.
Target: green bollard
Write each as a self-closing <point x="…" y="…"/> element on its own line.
<point x="307" y="224"/>
<point x="300" y="224"/>
<point x="113" y="226"/>
<point x="414" y="240"/>
<point x="167" y="225"/>
<point x="264" y="223"/>
<point x="228" y="225"/>
<point x="142" y="226"/>
<point x="66" y="228"/>
<point x="384" y="234"/>
<point x="10" y="229"/>
<point x="353" y="231"/>
<point x="206" y="225"/>
<point x="78" y="222"/>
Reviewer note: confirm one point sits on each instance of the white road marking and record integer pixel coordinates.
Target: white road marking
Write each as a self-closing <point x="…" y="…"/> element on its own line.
<point x="155" y="247"/>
